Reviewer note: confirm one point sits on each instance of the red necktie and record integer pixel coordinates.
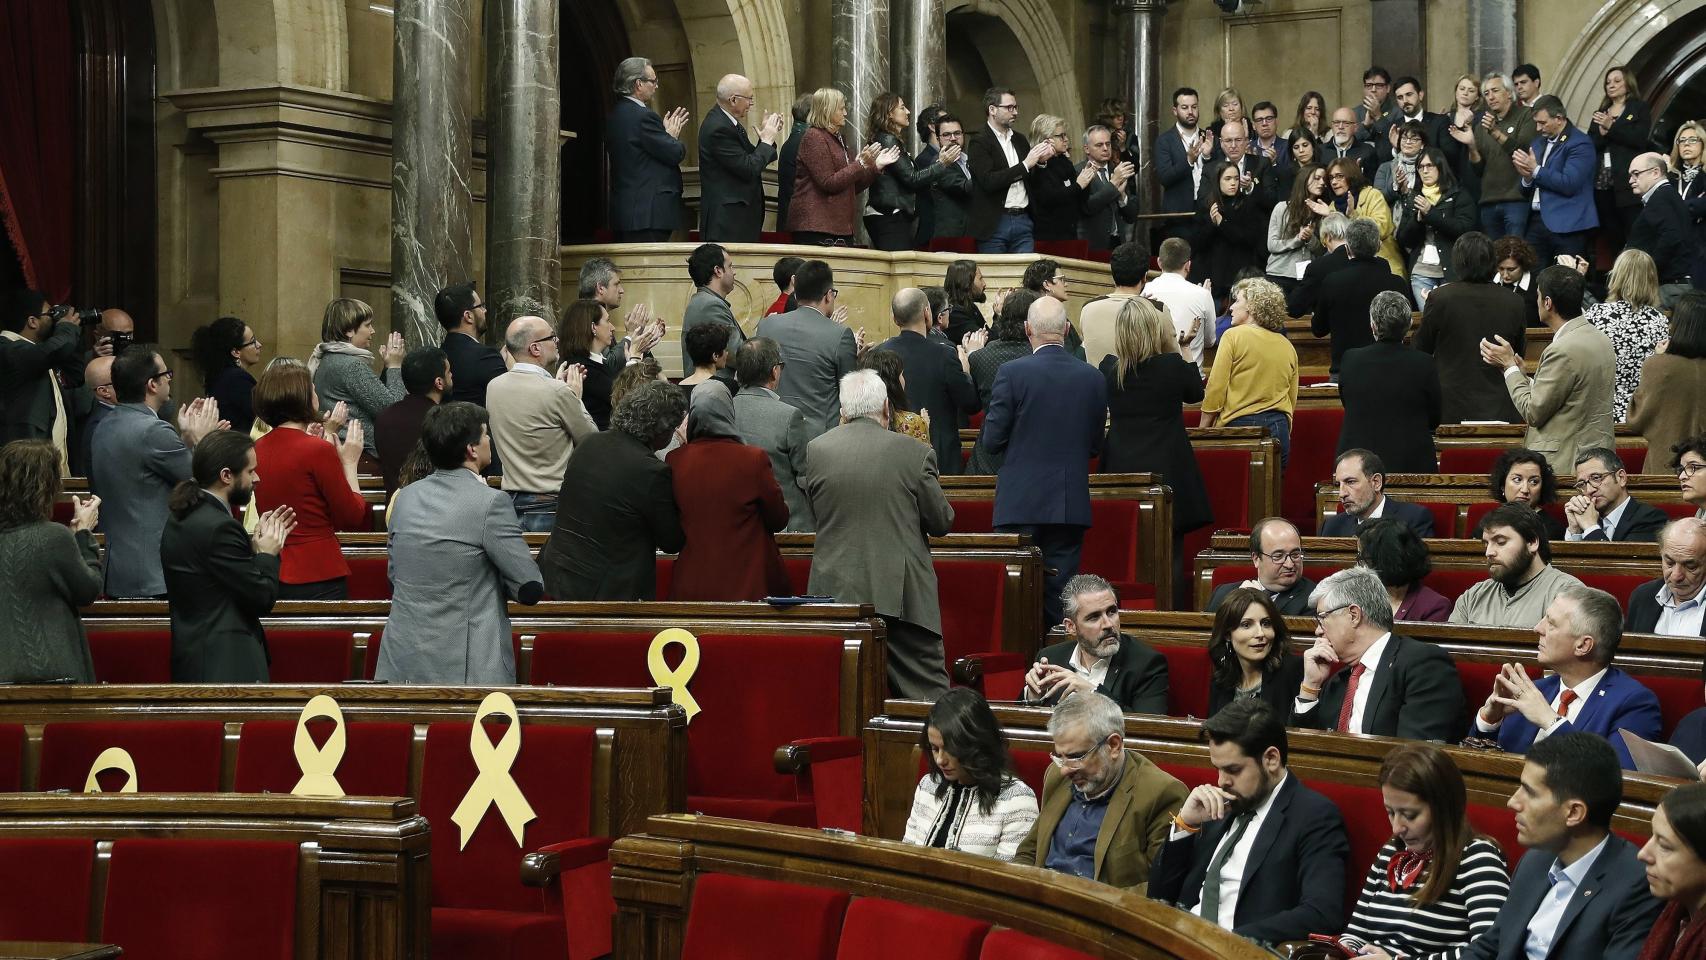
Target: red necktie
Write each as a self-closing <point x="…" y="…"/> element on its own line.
<point x="1350" y="701"/>
<point x="1564" y="702"/>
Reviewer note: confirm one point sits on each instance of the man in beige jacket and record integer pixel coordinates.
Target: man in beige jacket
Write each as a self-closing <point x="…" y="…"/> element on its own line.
<point x="537" y="420"/>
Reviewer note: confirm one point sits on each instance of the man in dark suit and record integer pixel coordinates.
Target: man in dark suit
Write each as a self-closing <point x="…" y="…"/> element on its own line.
<point x="1046" y="412"/>
<point x="1361" y="477"/>
<point x="98" y="380"/>
<point x="1303" y="297"/>
<point x="1256" y="176"/>
<point x="999" y="158"/>
<point x="1096" y="656"/>
<point x="929" y="150"/>
<point x="816" y="351"/>
<point x="1344" y="143"/>
<point x="473" y="365"/>
<point x="427" y="377"/>
<point x="1602" y="508"/>
<point x="1413" y="693"/>
<point x="950" y="195"/>
<point x="713" y="273"/>
<point x="731" y="166"/>
<point x="1277" y="551"/>
<point x="1341" y="308"/>
<point x="1409" y="106"/>
<point x="1109" y="210"/>
<point x="1256" y="852"/>
<point x="1672" y="604"/>
<point x="645" y="158"/>
<point x="1665" y="227"/>
<point x="1579" y="893"/>
<point x="1390" y="392"/>
<point x="1180" y="152"/>
<point x="220" y="581"/>
<point x="938" y="377"/>
<point x="34" y="349"/>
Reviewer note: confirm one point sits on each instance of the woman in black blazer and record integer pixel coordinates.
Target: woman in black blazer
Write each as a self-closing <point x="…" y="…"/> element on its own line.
<point x="1430" y="219"/>
<point x="586" y="332"/>
<point x="1250" y="650"/>
<point x="1390" y="393"/>
<point x="1621" y="130"/>
<point x="1055" y="189"/>
<point x="1232" y="231"/>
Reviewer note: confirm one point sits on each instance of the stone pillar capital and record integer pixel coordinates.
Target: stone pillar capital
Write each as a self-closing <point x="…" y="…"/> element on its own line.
<point x="1157" y="7"/>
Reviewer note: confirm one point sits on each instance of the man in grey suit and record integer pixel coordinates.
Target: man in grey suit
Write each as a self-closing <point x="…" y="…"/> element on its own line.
<point x="767" y="421"/>
<point x="456" y="555"/>
<point x="877" y="500"/>
<point x="1109" y="210"/>
<point x="816" y="351"/>
<point x="136" y="460"/>
<point x="713" y="272"/>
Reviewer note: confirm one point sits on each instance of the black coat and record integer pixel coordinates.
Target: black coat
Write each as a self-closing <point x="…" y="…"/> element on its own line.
<point x="1136" y="677"/>
<point x="1416" y="695"/>
<point x="1454" y="215"/>
<point x="950" y="202"/>
<point x="1279" y="689"/>
<point x="615" y="511"/>
<point x="595" y="387"/>
<point x="1361" y="151"/>
<point x="731" y="181"/>
<point x="991" y="175"/>
<point x="1454" y="320"/>
<point x="234" y="390"/>
<point x="645" y="169"/>
<point x="1301" y="300"/>
<point x="1644" y="612"/>
<point x="1392" y="401"/>
<point x="1665" y="230"/>
<point x="935" y="382"/>
<point x="1056" y="199"/>
<point x="963" y="318"/>
<point x="1413" y="515"/>
<point x="1147" y="432"/>
<point x="787" y="164"/>
<point x="1341" y="309"/>
<point x="1240" y="240"/>
<point x="217" y="589"/>
<point x="26" y="387"/>
<point x="1265" y="191"/>
<point x="473" y="366"/>
<point x="1627" y="139"/>
<point x="898" y="186"/>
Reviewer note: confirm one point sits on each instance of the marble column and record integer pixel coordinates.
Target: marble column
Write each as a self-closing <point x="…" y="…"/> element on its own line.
<point x="523" y="176"/>
<point x="431" y="162"/>
<point x="920" y="64"/>
<point x="1492" y="36"/>
<point x="859" y="59"/>
<point x="1139" y="25"/>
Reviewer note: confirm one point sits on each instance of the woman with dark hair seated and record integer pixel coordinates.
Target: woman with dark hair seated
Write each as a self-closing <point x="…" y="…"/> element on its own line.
<point x="969" y="800"/>
<point x="1436" y="885"/>
<point x="1392" y="550"/>
<point x="1521" y="475"/>
<point x="1251" y="652"/>
<point x="1675" y="856"/>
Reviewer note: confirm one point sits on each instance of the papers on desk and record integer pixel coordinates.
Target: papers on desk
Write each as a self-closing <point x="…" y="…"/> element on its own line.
<point x="1659" y="759"/>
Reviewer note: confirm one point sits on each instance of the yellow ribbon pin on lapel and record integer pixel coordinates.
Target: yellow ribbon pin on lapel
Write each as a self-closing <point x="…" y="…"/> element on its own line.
<point x="112" y="758"/>
<point x="676" y="679"/>
<point x="494" y="785"/>
<point x="319" y="764"/>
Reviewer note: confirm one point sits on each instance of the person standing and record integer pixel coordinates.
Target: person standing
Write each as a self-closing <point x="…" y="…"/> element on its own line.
<point x="788" y="159"/>
<point x="1455" y="318"/>
<point x="1558" y="176"/>
<point x="1429" y="221"/>
<point x="645" y="158"/>
<point x="1179" y="156"/>
<point x="34" y="349"/>
<point x="1664" y="229"/>
<point x="1621" y="129"/>
<point x="1109" y="209"/>
<point x="473" y="365"/>
<point x="731" y="508"/>
<point x="1342" y="307"/>
<point x="225" y="351"/>
<point x="427" y="377"/>
<point x="1000" y="161"/>
<point x="938" y="377"/>
<point x="1504" y="128"/>
<point x="816" y="351"/>
<point x="46" y="571"/>
<point x="537" y="421"/>
<point x="950" y="196"/>
<point x="731" y="166"/>
<point x="712" y="271"/>
<point x="1670" y="402"/>
<point x="1391" y="393"/>
<point x="1056" y="188"/>
<point x="98" y="380"/>
<point x="1253" y="382"/>
<point x="825" y="206"/>
<point x="342" y="371"/>
<point x="891" y="208"/>
<point x="772" y="424"/>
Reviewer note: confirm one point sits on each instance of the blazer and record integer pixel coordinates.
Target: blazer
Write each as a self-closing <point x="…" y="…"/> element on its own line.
<point x="1392" y="403"/>
<point x="950" y="201"/>
<point x="1640" y="522"/>
<point x="730" y="506"/>
<point x="615" y="511"/>
<point x="596" y="386"/>
<point x="1302" y="298"/>
<point x="1644" y="609"/>
<point x="305" y="474"/>
<point x="1416" y="695"/>
<point x="1629" y="136"/>
<point x="233" y="388"/>
<point x="936" y="384"/>
<point x="1107" y="211"/>
<point x="645" y="169"/>
<point x="1670" y="403"/>
<point x="770" y="423"/>
<point x="1279" y="689"/>
<point x="1134" y="827"/>
<point x="1239" y="242"/>
<point x="1619" y="702"/>
<point x="1608" y="917"/>
<point x="1690" y="734"/>
<point x="787" y="167"/>
<point x="1455" y="318"/>
<point x="1414" y="515"/>
<point x="1146" y="431"/>
<point x="731" y="180"/>
<point x="85" y="438"/>
<point x="399" y="429"/>
<point x="991" y="175"/>
<point x="1178" y="192"/>
<point x="27" y="369"/>
<point x="1567" y="404"/>
<point x="707" y="306"/>
<point x="218" y="588"/>
<point x="1665" y="230"/>
<point x="877" y="501"/>
<point x="1341" y="312"/>
<point x="827" y="182"/>
<point x="1565" y="182"/>
<point x="473" y="366"/>
<point x="1046" y="415"/>
<point x="136" y="460"/>
<point x="925" y="227"/>
<point x="816" y="353"/>
<point x="1056" y="199"/>
<point x="1292" y="603"/>
<point x="1136" y="677"/>
<point x="1294" y="876"/>
<point x="897" y="187"/>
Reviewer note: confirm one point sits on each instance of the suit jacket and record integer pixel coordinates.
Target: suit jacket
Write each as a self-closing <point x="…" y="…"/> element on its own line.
<point x="1565" y="182"/>
<point x="1136" y="677"/>
<point x="1301" y="300"/>
<point x="1341" y="311"/>
<point x="1046" y="414"/>
<point x="1292" y="603"/>
<point x="1107" y="212"/>
<point x="218" y="588"/>
<point x="1134" y="827"/>
<point x="926" y="225"/>
<point x="991" y="175"/>
<point x="1416" y="695"/>
<point x="135" y="461"/>
<point x="1363" y="152"/>
<point x="1619" y="702"/>
<point x="473" y="366"/>
<point x="877" y="501"/>
<point x="1608" y="917"/>
<point x="1454" y="320"/>
<point x="1644" y="609"/>
<point x="787" y="167"/>
<point x="645" y="169"/>
<point x="1294" y="877"/>
<point x="707" y="306"/>
<point x="81" y="450"/>
<point x="1392" y="404"/>
<point x="1056" y="199"/>
<point x="816" y="353"/>
<point x="1434" y="127"/>
<point x="935" y="383"/>
<point x="398" y="429"/>
<point x="27" y="372"/>
<point x="1264" y="193"/>
<point x="1567" y="405"/>
<point x="615" y="511"/>
<point x="1414" y="515"/>
<point x="767" y="421"/>
<point x="731" y="180"/>
<point x="950" y="202"/>
<point x="1665" y="230"/>
<point x="1640" y="522"/>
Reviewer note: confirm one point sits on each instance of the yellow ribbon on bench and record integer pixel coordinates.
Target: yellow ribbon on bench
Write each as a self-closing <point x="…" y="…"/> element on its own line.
<point x="494" y="785"/>
<point x="677" y="678"/>
<point x="319" y="765"/>
<point x="112" y="758"/>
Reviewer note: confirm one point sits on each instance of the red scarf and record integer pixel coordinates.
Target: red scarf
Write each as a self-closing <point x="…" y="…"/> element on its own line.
<point x="1406" y="868"/>
<point x="1669" y="941"/>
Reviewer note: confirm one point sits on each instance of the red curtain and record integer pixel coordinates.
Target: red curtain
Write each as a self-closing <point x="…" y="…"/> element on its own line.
<point x="37" y="100"/>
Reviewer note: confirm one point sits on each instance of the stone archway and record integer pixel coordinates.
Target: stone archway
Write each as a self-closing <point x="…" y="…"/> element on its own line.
<point x="1038" y="33"/>
<point x="1616" y="34"/>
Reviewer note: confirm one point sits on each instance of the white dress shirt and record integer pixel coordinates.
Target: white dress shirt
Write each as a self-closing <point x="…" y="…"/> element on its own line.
<point x="1543" y="926"/>
<point x="1188" y="303"/>
<point x="1186" y="137"/>
<point x="1232" y="872"/>
<point x="1607" y="522"/>
<point x="1584" y="690"/>
<point x="1016" y="196"/>
<point x="1682" y="619"/>
<point x="1370" y="661"/>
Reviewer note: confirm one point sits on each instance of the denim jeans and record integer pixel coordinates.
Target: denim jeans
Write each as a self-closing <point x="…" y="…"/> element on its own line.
<point x="1277" y="423"/>
<point x="1505" y="219"/>
<point x="537" y="512"/>
<point x="1420" y="287"/>
<point x="1012" y="235"/>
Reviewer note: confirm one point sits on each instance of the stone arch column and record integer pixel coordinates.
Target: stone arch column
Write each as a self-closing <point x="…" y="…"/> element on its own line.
<point x="1615" y="35"/>
<point x="1038" y="31"/>
<point x="296" y="42"/>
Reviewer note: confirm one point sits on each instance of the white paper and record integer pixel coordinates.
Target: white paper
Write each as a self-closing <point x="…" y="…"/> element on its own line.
<point x="1302" y="268"/>
<point x="1430" y="255"/>
<point x="1659" y="759"/>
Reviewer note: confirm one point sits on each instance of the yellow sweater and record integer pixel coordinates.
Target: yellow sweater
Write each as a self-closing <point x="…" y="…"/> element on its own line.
<point x="1255" y="370"/>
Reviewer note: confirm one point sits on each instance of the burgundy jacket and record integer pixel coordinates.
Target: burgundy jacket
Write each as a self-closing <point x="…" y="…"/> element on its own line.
<point x="827" y="182"/>
<point x="730" y="508"/>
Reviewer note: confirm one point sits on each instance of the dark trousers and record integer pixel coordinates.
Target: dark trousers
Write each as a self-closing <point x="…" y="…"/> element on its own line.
<point x="1548" y="245"/>
<point x="334" y="589"/>
<point x="891" y="232"/>
<point x="643" y="236"/>
<point x="915" y="661"/>
<point x="1061" y="544"/>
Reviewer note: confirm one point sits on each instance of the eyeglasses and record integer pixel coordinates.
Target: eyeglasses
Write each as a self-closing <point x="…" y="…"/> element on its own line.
<point x="740" y="96"/>
<point x="1689" y="469"/>
<point x="550" y="339"/>
<point x="955" y="135"/>
<point x="1636" y="174"/>
<point x="1589" y="482"/>
<point x="1007" y="106"/>
<point x="1424" y="165"/>
<point x="1410" y="137"/>
<point x="1280" y="557"/>
<point x="1336" y="176"/>
<point x="1688" y="141"/>
<point x="166" y="373"/>
<point x="1071" y="761"/>
<point x="1266" y="119"/>
<point x="1374" y="84"/>
<point x="834" y="292"/>
<point x="255" y="342"/>
<point x="651" y="80"/>
<point x="1321" y="618"/>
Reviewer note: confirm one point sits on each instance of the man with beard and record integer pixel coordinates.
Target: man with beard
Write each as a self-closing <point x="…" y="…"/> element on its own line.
<point x="1343" y="143"/>
<point x="1096" y="656"/>
<point x="1361" y="477"/>
<point x="1104" y="813"/>
<point x="1256" y="851"/>
<point x="1361" y="678"/>
<point x="1277" y="551"/>
<point x="1522" y="581"/>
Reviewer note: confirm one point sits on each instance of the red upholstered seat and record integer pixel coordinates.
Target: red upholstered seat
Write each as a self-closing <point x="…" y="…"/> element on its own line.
<point x="1677" y="696"/>
<point x="973" y="516"/>
<point x="11" y="758"/>
<point x="369" y="577"/>
<point x="309" y="656"/>
<point x="1619" y="585"/>
<point x="1445" y="518"/>
<point x="1635" y="458"/>
<point x="1314" y="438"/>
<point x="878" y="929"/>
<point x="46" y="880"/>
<point x="952" y="245"/>
<point x="1476" y="678"/>
<point x="1191" y="775"/>
<point x="1030" y="766"/>
<point x="1478" y="459"/>
<point x="371" y="662"/>
<point x="969" y="593"/>
<point x="1074" y="249"/>
<point x="375" y="761"/>
<point x="1451" y="583"/>
<point x="1677" y="511"/>
<point x="975" y="421"/>
<point x="1110" y="548"/>
<point x="735" y="918"/>
<point x="1188" y="672"/>
<point x="1498" y="823"/>
<point x="179" y="756"/>
<point x="1226" y="476"/>
<point x="202" y="899"/>
<point x="1013" y="945"/>
<point x="1366" y="825"/>
<point x="131" y="656"/>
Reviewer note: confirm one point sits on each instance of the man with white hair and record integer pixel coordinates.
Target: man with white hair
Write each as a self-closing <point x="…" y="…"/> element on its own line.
<point x="1674" y="604"/>
<point x="876" y="500"/>
<point x="1046" y="412"/>
<point x="537" y="418"/>
<point x="731" y="166"/>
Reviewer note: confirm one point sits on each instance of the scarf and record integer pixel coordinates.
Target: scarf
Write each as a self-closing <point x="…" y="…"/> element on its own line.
<point x="342" y="347"/>
<point x="1405" y="869"/>
<point x="1345" y="204"/>
<point x="1670" y="941"/>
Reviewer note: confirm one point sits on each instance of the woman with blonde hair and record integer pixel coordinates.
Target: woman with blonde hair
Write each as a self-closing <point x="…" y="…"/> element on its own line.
<point x="1253" y="382"/>
<point x="1056" y="189"/>
<point x="828" y="177"/>
<point x="1687" y="157"/>
<point x="1630" y="316"/>
<point x="1228" y="105"/>
<point x="341" y="366"/>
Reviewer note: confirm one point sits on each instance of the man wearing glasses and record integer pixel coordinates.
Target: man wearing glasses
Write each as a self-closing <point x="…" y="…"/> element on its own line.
<point x="1277" y="551"/>
<point x="34" y="349"/>
<point x="1000" y="158"/>
<point x="731" y="166"/>
<point x="645" y="158"/>
<point x="1255" y="174"/>
<point x="1664" y="228"/>
<point x="1376" y="111"/>
<point x="1602" y="508"/>
<point x="537" y="419"/>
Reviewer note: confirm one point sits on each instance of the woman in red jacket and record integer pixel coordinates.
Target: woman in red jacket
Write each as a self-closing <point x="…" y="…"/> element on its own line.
<point x="827" y="179"/>
<point x="731" y="507"/>
<point x="300" y="467"/>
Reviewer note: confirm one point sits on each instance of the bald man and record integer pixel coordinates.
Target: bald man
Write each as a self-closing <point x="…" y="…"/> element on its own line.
<point x="1674" y="604"/>
<point x="117" y="331"/>
<point x="1665" y="228"/>
<point x="98" y="380"/>
<point x="731" y="166"/>
<point x="938" y="376"/>
<point x="537" y="419"/>
<point x="1343" y="143"/>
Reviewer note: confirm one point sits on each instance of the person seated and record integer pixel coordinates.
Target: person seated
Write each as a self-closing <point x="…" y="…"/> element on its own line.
<point x="1295" y="886"/>
<point x="1393" y="551"/>
<point x="969" y="799"/>
<point x="1521" y="581"/>
<point x="1579" y="892"/>
<point x="1690" y="734"/>
<point x="1360" y="677"/>
<point x="1105" y="811"/>
<point x="1675" y="856"/>
<point x="1581" y="690"/>
<point x="1602" y="508"/>
<point x="1277" y="551"/>
<point x="1096" y="655"/>
<point x="1689" y="460"/>
<point x="1521" y="475"/>
<point x="1437" y="884"/>
<point x="1251" y="652"/>
<point x="1361" y="477"/>
<point x="1673" y="604"/>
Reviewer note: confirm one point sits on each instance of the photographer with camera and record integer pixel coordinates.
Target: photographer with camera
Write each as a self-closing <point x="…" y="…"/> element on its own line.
<point x="113" y="331"/>
<point x="36" y="343"/>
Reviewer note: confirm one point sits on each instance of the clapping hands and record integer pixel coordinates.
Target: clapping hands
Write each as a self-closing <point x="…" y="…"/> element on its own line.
<point x="85" y="513"/>
<point x="273" y="529"/>
<point x="674" y="121"/>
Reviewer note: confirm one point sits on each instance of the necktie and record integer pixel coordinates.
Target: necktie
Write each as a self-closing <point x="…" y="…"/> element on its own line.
<point x="1350" y="701"/>
<point x="1564" y="702"/>
<point x="1210" y="906"/>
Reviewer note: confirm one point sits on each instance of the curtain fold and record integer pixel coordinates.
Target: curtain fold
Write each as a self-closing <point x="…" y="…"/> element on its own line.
<point x="37" y="161"/>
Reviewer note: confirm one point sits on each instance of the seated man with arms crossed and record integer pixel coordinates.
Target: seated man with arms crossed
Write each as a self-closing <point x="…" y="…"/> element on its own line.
<point x="1097" y="656"/>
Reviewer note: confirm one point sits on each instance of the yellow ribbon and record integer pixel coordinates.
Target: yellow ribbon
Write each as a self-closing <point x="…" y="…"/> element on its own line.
<point x="494" y="785"/>
<point x="319" y="764"/>
<point x="675" y="679"/>
<point x="112" y="758"/>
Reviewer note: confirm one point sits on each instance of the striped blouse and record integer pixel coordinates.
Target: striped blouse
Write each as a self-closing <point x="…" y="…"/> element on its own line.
<point x="1439" y="930"/>
<point x="955" y="822"/>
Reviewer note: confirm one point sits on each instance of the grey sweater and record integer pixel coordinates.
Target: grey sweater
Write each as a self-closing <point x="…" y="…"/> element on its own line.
<point x="46" y="573"/>
<point x="348" y="377"/>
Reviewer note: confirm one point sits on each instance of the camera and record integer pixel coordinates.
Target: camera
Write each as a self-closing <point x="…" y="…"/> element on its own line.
<point x="88" y="318"/>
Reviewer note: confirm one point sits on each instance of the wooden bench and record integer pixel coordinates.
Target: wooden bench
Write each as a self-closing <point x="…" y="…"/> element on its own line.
<point x="1472" y="448"/>
<point x="1459" y="500"/>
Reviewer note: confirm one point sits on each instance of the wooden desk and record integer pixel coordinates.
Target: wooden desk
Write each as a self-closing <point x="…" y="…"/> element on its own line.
<point x="43" y="950"/>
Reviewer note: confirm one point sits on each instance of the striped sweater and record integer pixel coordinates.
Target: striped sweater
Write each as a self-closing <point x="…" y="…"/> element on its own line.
<point x="1435" y="931"/>
<point x="969" y="830"/>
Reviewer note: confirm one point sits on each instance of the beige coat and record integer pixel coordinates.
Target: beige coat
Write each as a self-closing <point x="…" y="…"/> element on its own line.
<point x="1669" y="406"/>
<point x="1134" y="828"/>
<point x="1567" y="403"/>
